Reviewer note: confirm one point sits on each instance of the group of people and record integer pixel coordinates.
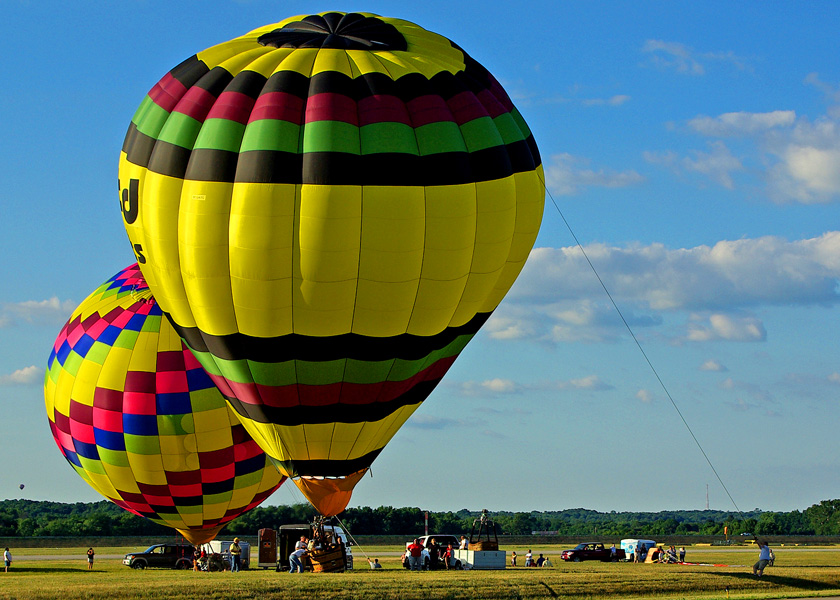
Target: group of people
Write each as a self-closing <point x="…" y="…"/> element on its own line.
<point x="541" y="561"/>
<point x="439" y="557"/>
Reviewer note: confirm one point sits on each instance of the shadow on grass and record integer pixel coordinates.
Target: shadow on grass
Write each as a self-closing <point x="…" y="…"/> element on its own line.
<point x="45" y="570"/>
<point x="782" y="580"/>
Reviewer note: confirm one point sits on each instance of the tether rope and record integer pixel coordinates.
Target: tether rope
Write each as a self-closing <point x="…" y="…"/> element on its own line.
<point x="642" y="350"/>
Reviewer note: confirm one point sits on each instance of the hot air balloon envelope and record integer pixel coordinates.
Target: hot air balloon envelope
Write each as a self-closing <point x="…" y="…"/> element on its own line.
<point x="328" y="209"/>
<point x="141" y="422"/>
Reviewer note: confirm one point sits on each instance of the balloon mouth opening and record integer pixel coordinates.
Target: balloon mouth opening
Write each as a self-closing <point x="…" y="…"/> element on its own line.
<point x="330" y="495"/>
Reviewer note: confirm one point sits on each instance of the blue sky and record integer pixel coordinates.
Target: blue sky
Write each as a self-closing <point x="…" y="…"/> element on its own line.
<point x="693" y="148"/>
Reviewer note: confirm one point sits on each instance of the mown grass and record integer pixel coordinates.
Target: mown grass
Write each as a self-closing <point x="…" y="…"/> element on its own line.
<point x="798" y="573"/>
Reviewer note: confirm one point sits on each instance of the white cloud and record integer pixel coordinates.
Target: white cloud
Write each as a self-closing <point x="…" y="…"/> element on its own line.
<point x="684" y="59"/>
<point x="40" y="312"/>
<point x="732" y="328"/>
<point x="742" y="123"/>
<point x="645" y="396"/>
<point x="494" y="387"/>
<point x="713" y="365"/>
<point x="616" y="100"/>
<point x="501" y="387"/>
<point x="591" y="382"/>
<point x="432" y="422"/>
<point x="834" y="378"/>
<point x="831" y="92"/>
<point x="25" y="376"/>
<point x="717" y="163"/>
<point x="816" y="170"/>
<point x="557" y="298"/>
<point x="673" y="55"/>
<point x="567" y="174"/>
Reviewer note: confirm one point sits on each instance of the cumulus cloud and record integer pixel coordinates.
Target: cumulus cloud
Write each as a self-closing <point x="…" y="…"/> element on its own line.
<point x="616" y="100"/>
<point x="429" y="422"/>
<point x="741" y="123"/>
<point x="749" y="396"/>
<point x="813" y="174"/>
<point x="25" y="376"/>
<point x="713" y="365"/>
<point x="716" y="163"/>
<point x="493" y="387"/>
<point x="38" y="312"/>
<point x="797" y="158"/>
<point x="557" y="298"/>
<point x="567" y="174"/>
<point x="645" y="396"/>
<point x="673" y="55"/>
<point x="684" y="59"/>
<point x="502" y="387"/>
<point x="726" y="327"/>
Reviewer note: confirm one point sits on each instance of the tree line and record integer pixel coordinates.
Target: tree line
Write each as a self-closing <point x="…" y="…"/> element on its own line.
<point x="29" y="518"/>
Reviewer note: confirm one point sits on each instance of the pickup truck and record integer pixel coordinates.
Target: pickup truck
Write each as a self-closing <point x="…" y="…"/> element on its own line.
<point x="592" y="551"/>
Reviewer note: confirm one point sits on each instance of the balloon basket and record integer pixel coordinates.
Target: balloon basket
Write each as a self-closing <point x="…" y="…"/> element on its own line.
<point x="485" y="545"/>
<point x="327" y="560"/>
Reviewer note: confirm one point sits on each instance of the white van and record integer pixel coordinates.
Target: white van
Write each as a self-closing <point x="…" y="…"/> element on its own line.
<point x="223" y="547"/>
<point x="629" y="547"/>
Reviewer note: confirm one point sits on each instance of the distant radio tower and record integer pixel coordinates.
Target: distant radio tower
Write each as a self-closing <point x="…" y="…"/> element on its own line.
<point x="707" y="496"/>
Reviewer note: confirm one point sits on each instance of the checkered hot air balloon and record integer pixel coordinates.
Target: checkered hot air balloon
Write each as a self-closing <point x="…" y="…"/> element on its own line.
<point x="328" y="209"/>
<point x="138" y="418"/>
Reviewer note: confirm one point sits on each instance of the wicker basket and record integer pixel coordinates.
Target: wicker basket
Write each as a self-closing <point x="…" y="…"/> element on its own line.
<point x="329" y="560"/>
<point x="485" y="545"/>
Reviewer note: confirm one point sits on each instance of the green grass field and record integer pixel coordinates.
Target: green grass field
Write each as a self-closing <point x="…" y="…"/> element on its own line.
<point x="798" y="572"/>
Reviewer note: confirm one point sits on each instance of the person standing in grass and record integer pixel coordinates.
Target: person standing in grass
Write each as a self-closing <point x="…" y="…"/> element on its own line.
<point x="513" y="558"/>
<point x="764" y="554"/>
<point x="235" y="555"/>
<point x="415" y="555"/>
<point x="90" y="554"/>
<point x="682" y="553"/>
<point x="7" y="558"/>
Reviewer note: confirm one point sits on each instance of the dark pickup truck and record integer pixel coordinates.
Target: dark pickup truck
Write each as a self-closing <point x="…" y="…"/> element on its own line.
<point x="592" y="551"/>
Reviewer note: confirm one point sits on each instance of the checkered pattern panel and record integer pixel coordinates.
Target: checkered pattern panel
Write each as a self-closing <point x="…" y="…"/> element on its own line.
<point x="138" y="418"/>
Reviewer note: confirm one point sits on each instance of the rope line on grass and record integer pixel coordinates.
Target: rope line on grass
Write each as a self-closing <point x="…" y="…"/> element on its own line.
<point x="641" y="349"/>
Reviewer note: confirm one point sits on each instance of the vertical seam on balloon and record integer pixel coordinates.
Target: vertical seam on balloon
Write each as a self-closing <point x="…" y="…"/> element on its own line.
<point x="362" y="430"/>
<point x="301" y="136"/>
<point x="474" y="186"/>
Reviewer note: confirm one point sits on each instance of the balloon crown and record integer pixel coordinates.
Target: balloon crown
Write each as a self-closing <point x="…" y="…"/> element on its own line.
<point x="350" y="31"/>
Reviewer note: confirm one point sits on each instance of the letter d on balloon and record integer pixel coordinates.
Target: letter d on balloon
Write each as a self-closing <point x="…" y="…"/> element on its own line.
<point x="130" y="201"/>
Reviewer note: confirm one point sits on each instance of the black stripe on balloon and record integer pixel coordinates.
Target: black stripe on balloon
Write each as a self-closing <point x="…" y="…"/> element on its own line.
<point x="340" y="168"/>
<point x="249" y="83"/>
<point x="321" y="468"/>
<point x="169" y="159"/>
<point x="215" y="81"/>
<point x="138" y="146"/>
<point x="209" y="164"/>
<point x="284" y="348"/>
<point x="336" y="168"/>
<point x="292" y="416"/>
<point x="190" y="71"/>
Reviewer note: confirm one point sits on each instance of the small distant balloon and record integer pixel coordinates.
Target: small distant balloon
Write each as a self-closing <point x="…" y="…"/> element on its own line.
<point x="22" y="486"/>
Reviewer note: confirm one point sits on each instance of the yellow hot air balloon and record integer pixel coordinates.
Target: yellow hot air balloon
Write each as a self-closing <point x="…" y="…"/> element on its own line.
<point x="141" y="422"/>
<point x="327" y="209"/>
